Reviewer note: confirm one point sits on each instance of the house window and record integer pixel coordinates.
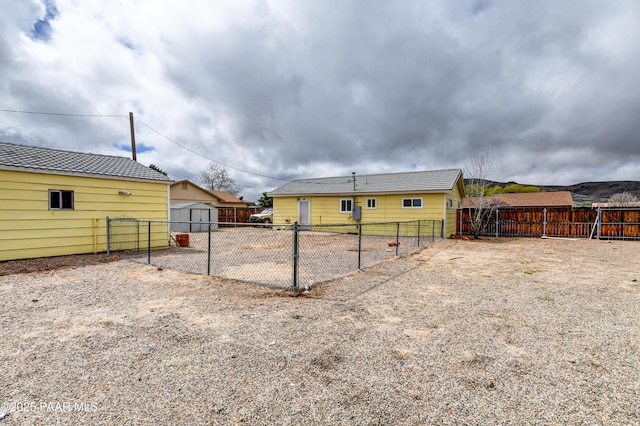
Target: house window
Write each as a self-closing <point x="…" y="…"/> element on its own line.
<point x="184" y="186"/>
<point x="372" y="203"/>
<point x="60" y="200"/>
<point x="450" y="203"/>
<point x="346" y="205"/>
<point x="412" y="203"/>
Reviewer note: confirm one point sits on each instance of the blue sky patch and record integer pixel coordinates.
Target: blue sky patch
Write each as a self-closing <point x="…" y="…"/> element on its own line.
<point x="127" y="43"/>
<point x="42" y="28"/>
<point x="140" y="148"/>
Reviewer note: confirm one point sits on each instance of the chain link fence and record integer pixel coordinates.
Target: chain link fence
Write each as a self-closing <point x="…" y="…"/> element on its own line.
<point x="285" y="256"/>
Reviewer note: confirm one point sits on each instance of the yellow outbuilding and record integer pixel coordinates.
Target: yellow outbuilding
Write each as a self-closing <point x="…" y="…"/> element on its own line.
<point x="390" y="197"/>
<point x="55" y="202"/>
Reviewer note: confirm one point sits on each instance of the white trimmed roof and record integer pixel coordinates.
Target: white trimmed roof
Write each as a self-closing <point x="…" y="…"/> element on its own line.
<point x="408" y="182"/>
<point x="43" y="160"/>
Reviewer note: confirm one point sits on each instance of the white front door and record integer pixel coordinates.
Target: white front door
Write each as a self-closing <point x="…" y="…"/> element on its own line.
<point x="304" y="212"/>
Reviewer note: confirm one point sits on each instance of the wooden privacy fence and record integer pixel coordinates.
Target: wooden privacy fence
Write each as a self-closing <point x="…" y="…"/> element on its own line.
<point x="583" y="222"/>
<point x="236" y="214"/>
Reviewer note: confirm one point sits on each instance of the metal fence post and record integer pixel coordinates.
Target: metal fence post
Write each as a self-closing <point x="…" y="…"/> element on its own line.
<point x="108" y="236"/>
<point x="209" y="252"/>
<point x="397" y="236"/>
<point x="599" y="222"/>
<point x="359" y="244"/>
<point x="419" y="233"/>
<point x="295" y="257"/>
<point x="544" y="223"/>
<point x="433" y="230"/>
<point x="497" y="221"/>
<point x="149" y="243"/>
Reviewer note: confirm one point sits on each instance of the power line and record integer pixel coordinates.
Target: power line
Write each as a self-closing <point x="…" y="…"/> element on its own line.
<point x="64" y="114"/>
<point x="150" y="128"/>
<point x="208" y="158"/>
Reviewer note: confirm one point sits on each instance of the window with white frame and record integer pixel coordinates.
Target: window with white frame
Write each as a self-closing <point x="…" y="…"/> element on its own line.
<point x="372" y="203"/>
<point x="412" y="203"/>
<point x="60" y="200"/>
<point x="346" y="205"/>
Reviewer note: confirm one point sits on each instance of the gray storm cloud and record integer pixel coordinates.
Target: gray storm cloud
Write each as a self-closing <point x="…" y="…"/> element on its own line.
<point x="305" y="89"/>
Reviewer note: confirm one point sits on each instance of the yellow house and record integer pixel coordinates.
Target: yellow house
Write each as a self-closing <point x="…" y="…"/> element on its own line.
<point x="390" y="197"/>
<point x="55" y="202"/>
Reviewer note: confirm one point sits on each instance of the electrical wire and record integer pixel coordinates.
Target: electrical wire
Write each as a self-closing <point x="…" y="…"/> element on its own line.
<point x="65" y="114"/>
<point x="59" y="114"/>
<point x="208" y="158"/>
<point x="150" y="128"/>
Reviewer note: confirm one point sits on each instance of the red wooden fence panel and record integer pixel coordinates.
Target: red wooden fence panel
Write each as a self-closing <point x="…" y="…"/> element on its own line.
<point x="580" y="222"/>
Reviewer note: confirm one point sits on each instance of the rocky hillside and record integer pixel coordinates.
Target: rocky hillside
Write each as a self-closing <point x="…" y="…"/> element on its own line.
<point x="589" y="192"/>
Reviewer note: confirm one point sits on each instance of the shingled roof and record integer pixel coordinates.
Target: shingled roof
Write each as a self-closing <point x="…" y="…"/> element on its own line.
<point x="228" y="197"/>
<point x="526" y="199"/>
<point x="48" y="160"/>
<point x="408" y="182"/>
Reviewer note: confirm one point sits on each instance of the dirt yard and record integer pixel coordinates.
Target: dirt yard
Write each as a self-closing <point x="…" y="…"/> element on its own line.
<point x="508" y="331"/>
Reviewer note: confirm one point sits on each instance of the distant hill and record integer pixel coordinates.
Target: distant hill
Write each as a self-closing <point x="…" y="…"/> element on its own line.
<point x="588" y="192"/>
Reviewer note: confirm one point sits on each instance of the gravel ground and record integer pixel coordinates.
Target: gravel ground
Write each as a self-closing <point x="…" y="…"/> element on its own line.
<point x="508" y="331"/>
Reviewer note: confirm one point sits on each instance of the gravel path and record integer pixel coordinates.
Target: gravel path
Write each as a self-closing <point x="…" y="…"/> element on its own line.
<point x="464" y="332"/>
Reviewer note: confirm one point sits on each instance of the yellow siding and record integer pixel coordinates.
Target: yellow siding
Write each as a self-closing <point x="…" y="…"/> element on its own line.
<point x="450" y="218"/>
<point x="326" y="209"/>
<point x="29" y="229"/>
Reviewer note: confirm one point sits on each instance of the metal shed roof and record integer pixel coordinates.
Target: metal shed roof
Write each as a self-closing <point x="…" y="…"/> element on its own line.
<point x="48" y="160"/>
<point x="421" y="181"/>
<point x="191" y="205"/>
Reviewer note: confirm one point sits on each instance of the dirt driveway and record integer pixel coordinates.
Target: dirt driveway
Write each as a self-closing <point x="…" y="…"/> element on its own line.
<point x="522" y="331"/>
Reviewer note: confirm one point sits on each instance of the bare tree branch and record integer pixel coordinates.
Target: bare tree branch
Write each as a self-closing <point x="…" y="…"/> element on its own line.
<point x="622" y="198"/>
<point x="217" y="178"/>
<point x="481" y="204"/>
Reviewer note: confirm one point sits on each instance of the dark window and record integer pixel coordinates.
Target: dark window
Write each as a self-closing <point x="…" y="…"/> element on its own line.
<point x="60" y="200"/>
<point x="345" y="205"/>
<point x="412" y="202"/>
<point x="371" y="203"/>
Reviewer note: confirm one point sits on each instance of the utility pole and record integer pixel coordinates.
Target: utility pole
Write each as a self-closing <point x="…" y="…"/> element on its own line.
<point x="133" y="137"/>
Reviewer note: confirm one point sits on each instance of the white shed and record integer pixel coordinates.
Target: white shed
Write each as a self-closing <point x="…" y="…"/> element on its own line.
<point x="193" y="217"/>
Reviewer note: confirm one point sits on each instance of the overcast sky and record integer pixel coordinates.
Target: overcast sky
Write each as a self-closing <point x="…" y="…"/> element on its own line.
<point x="550" y="89"/>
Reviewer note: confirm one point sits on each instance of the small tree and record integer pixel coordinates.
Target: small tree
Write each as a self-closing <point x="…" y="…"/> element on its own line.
<point x="157" y="169"/>
<point x="481" y="196"/>
<point x="217" y="178"/>
<point x="517" y="188"/>
<point x="265" y="201"/>
<point x="622" y="198"/>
